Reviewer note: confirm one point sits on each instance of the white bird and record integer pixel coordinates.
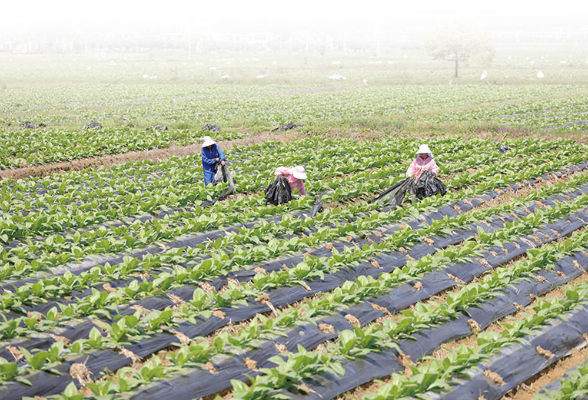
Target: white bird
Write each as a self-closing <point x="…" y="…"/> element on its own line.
<point x="484" y="75"/>
<point x="365" y="81"/>
<point x="540" y="75"/>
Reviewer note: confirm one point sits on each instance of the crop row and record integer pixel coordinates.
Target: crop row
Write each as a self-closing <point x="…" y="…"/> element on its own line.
<point x="56" y="250"/>
<point x="117" y="328"/>
<point x="53" y="250"/>
<point x="378" y="338"/>
<point x="55" y="216"/>
<point x="221" y="261"/>
<point x="341" y="308"/>
<point x="352" y="344"/>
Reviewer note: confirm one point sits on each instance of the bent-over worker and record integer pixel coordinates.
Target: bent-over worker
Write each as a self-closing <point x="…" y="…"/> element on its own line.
<point x="423" y="162"/>
<point x="211" y="155"/>
<point x="295" y="177"/>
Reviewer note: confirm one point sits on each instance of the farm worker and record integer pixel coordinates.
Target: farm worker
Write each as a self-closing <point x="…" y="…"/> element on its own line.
<point x="295" y="177"/>
<point x="211" y="155"/>
<point x="423" y="162"/>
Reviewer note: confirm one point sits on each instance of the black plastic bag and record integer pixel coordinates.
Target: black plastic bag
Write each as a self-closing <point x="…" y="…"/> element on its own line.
<point x="429" y="185"/>
<point x="395" y="195"/>
<point x="222" y="175"/>
<point x="92" y="125"/>
<point x="211" y="128"/>
<point x="288" y="126"/>
<point x="504" y="148"/>
<point x="278" y="192"/>
<point x="318" y="206"/>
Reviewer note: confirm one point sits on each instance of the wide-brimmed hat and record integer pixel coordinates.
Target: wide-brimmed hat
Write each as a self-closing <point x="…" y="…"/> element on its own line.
<point x="298" y="173"/>
<point x="424" y="149"/>
<point x="208" y="141"/>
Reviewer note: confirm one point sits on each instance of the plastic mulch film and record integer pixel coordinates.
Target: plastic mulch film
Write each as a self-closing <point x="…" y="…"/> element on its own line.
<point x="288" y="295"/>
<point x="447" y="210"/>
<point x="284" y="296"/>
<point x="309" y="336"/>
<point x="318" y="206"/>
<point x="515" y="365"/>
<point x="394" y="196"/>
<point x="518" y="363"/>
<point x="222" y="175"/>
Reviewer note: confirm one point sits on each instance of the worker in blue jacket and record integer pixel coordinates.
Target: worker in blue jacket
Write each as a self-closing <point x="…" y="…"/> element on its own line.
<point x="211" y="155"/>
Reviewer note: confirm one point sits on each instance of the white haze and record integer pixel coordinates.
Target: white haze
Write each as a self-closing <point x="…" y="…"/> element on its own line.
<point x="72" y="17"/>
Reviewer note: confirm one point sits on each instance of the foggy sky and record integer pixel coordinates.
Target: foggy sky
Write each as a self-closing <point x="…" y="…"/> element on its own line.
<point x="110" y="16"/>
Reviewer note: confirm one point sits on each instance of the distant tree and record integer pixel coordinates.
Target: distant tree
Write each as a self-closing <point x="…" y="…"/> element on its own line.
<point x="458" y="44"/>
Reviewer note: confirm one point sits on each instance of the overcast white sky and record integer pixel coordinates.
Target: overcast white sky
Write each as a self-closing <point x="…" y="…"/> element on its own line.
<point x="259" y="15"/>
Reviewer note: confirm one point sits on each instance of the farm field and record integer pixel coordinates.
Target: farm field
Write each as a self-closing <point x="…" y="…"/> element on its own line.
<point x="118" y="283"/>
<point x="120" y="278"/>
<point x="403" y="92"/>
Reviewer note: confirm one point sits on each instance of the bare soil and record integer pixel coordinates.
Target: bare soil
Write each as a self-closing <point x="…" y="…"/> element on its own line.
<point x="530" y="388"/>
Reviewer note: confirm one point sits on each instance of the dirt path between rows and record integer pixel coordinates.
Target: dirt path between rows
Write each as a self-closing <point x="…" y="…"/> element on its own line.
<point x="159" y="154"/>
<point x="154" y="154"/>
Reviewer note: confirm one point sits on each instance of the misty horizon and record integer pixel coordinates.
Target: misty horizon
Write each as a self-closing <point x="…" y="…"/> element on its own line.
<point x="70" y="18"/>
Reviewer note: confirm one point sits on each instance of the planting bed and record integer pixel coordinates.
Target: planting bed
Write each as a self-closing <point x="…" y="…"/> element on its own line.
<point x="125" y="283"/>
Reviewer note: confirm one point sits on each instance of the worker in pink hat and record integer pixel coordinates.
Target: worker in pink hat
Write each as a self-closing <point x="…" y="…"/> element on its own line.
<point x="423" y="162"/>
<point x="295" y="177"/>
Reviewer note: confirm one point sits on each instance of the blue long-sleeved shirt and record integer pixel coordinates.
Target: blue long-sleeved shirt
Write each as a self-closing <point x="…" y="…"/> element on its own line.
<point x="209" y="159"/>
